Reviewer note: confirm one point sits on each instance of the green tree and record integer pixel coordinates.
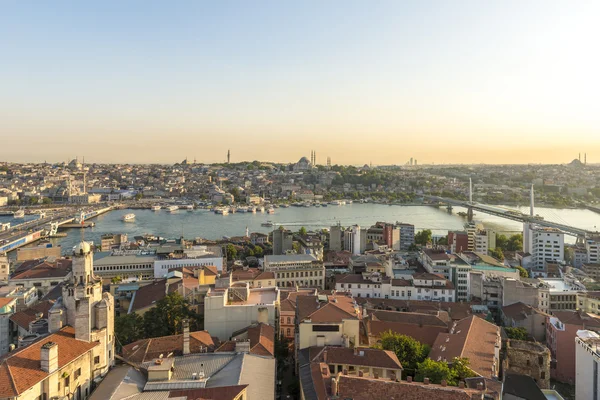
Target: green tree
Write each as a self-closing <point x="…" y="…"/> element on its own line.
<point x="139" y="196"/>
<point x="501" y="241"/>
<point x="302" y="231"/>
<point x="409" y="351"/>
<point x="166" y="317"/>
<point x="443" y="241"/>
<point x="46" y="200"/>
<point x="296" y="247"/>
<point x="423" y="237"/>
<point x="116" y="279"/>
<point x="258" y="251"/>
<point x="523" y="272"/>
<point x="34" y="200"/>
<point x="461" y="368"/>
<point x="129" y="328"/>
<point x="515" y="242"/>
<point x="436" y="371"/>
<point x="497" y="253"/>
<point x="517" y="333"/>
<point x="231" y="252"/>
<point x="413" y="247"/>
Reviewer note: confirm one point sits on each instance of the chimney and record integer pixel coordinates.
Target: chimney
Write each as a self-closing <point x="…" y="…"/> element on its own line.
<point x="334" y="387"/>
<point x="325" y="356"/>
<point x="186" y="336"/>
<point x="409" y="379"/>
<point x="426" y="381"/>
<point x="360" y="373"/>
<point x="345" y="372"/>
<point x="444" y="383"/>
<point x="242" y="346"/>
<point x="461" y="384"/>
<point x="49" y="357"/>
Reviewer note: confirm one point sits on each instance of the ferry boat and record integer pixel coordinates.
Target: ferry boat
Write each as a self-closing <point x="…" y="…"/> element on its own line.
<point x="267" y="224"/>
<point x="155" y="208"/>
<point x="128" y="217"/>
<point x="188" y="207"/>
<point x="222" y="211"/>
<point x="19" y="214"/>
<point x="271" y="211"/>
<point x="335" y="203"/>
<point x="172" y="208"/>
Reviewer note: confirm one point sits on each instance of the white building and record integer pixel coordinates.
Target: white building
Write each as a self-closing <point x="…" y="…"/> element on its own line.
<point x="352" y="240"/>
<point x="544" y="245"/>
<point x="587" y="362"/>
<point x="199" y="256"/>
<point x="296" y="270"/>
<point x="484" y="240"/>
<point x="238" y="306"/>
<point x="592" y="247"/>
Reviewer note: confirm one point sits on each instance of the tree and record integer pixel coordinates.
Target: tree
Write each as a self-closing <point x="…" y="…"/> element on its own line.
<point x="129" y="328"/>
<point x="413" y="247"/>
<point x="436" y="371"/>
<point x="515" y="242"/>
<point x="497" y="253"/>
<point x="409" y="351"/>
<point x="443" y="241"/>
<point x="116" y="279"/>
<point x="517" y="333"/>
<point x="139" y="196"/>
<point x="46" y="200"/>
<point x="423" y="237"/>
<point x="302" y="231"/>
<point x="33" y="200"/>
<point x="258" y="251"/>
<point x="501" y="241"/>
<point x="231" y="252"/>
<point x="523" y="272"/>
<point x="460" y="366"/>
<point x="166" y="317"/>
<point x="296" y="247"/>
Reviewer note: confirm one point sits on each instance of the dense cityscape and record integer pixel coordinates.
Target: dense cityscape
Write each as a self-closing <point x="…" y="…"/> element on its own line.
<point x="304" y="309"/>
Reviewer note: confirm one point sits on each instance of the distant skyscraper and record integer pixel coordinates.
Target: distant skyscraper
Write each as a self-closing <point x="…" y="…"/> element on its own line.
<point x="328" y="162"/>
<point x="415" y="162"/>
<point x="228" y="156"/>
<point x="411" y="161"/>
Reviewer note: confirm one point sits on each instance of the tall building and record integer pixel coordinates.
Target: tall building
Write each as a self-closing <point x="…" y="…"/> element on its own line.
<point x="335" y="238"/>
<point x="79" y="348"/>
<point x="458" y="241"/>
<point x="592" y="247"/>
<point x="407" y="235"/>
<point x="352" y="241"/>
<point x="587" y="362"/>
<point x="282" y="241"/>
<point x="545" y="245"/>
<point x="228" y="156"/>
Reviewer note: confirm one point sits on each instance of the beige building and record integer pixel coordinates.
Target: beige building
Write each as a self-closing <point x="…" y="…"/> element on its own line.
<point x="33" y="253"/>
<point x="519" y="315"/>
<point x="589" y="302"/>
<point x="327" y="321"/>
<point x="79" y="349"/>
<point x="296" y="270"/>
<point x="236" y="307"/>
<point x="4" y="268"/>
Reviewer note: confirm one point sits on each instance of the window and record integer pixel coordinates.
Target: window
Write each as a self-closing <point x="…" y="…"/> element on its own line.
<point x="97" y="360"/>
<point x="289" y="332"/>
<point x="325" y="328"/>
<point x="77" y="373"/>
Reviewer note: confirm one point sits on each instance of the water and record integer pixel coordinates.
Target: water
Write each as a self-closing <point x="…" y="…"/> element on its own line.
<point x="206" y="224"/>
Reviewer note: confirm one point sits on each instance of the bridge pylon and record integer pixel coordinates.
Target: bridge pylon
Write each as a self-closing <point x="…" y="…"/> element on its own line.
<point x="470" y="214"/>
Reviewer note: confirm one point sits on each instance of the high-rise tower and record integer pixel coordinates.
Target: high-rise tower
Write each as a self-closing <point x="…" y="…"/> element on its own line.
<point x="228" y="156"/>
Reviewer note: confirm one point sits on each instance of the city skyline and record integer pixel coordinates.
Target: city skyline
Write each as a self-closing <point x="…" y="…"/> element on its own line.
<point x="454" y="83"/>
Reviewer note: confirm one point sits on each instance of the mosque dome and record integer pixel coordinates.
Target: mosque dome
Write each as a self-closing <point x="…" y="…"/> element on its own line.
<point x="82" y="248"/>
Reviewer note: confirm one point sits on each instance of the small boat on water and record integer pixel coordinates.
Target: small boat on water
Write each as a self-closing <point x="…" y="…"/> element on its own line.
<point x="129" y="217"/>
<point x="307" y="204"/>
<point x="156" y="208"/>
<point x="271" y="211"/>
<point x="232" y="210"/>
<point x="189" y="207"/>
<point x="172" y="208"/>
<point x="261" y="209"/>
<point x="335" y="203"/>
<point x="222" y="211"/>
<point x="267" y="224"/>
<point x="252" y="210"/>
<point x="285" y="206"/>
<point x="242" y="210"/>
<point x="19" y="214"/>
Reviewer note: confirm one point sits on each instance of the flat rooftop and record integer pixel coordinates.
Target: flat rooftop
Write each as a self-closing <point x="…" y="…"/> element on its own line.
<point x="107" y="259"/>
<point x="559" y="285"/>
<point x="290" y="258"/>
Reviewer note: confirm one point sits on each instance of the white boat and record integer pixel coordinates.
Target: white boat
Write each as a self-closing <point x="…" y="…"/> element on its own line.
<point x="242" y="210"/>
<point x="261" y="209"/>
<point x="252" y="210"/>
<point x="285" y="205"/>
<point x="348" y="201"/>
<point x="19" y="214"/>
<point x="222" y="211"/>
<point x="307" y="204"/>
<point x="172" y="208"/>
<point x="129" y="217"/>
<point x="267" y="224"/>
<point x="335" y="203"/>
<point x="271" y="211"/>
<point x="188" y="207"/>
<point x="156" y="208"/>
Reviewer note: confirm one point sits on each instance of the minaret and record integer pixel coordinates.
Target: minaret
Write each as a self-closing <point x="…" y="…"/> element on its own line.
<point x="315" y="159"/>
<point x="531" y="204"/>
<point x="585" y="158"/>
<point x="247" y="232"/>
<point x="228" y="156"/>
<point x="579" y="157"/>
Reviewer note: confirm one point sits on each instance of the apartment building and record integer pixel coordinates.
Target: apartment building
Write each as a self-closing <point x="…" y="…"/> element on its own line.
<point x="296" y="270"/>
<point x="587" y="363"/>
<point x="544" y="245"/>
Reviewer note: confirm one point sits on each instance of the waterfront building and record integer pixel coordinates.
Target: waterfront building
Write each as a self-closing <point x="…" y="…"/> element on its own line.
<point x="108" y="241"/>
<point x="37" y="252"/>
<point x="296" y="270"/>
<point x="238" y="306"/>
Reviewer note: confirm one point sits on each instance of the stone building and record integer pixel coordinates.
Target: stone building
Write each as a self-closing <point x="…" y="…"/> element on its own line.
<point x="530" y="359"/>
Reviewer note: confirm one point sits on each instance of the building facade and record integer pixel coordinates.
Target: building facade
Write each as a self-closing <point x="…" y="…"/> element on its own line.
<point x="296" y="270"/>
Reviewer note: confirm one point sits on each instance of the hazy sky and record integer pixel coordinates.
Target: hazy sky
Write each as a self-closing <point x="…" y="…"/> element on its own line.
<point x="359" y="81"/>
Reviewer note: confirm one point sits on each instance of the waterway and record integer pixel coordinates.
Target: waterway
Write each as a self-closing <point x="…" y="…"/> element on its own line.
<point x="205" y="224"/>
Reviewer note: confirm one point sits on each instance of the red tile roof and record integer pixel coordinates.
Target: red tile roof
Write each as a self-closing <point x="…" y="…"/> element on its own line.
<point x="262" y="340"/>
<point x="20" y="370"/>
<point x="359" y="356"/>
<point x="147" y="349"/>
<point x="58" y="269"/>
<point x="27" y="316"/>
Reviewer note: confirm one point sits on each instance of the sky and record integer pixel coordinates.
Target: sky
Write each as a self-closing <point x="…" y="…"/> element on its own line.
<point x="441" y="81"/>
